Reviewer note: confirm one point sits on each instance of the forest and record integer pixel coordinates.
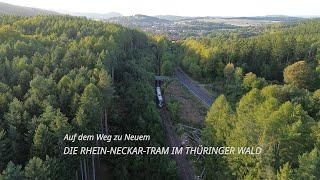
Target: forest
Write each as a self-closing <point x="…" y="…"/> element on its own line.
<point x="63" y="75"/>
<point x="270" y="83"/>
<point x="264" y="51"/>
<point x="281" y="119"/>
<point x="59" y="75"/>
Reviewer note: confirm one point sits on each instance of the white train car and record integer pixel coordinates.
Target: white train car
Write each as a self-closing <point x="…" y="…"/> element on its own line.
<point x="159" y="97"/>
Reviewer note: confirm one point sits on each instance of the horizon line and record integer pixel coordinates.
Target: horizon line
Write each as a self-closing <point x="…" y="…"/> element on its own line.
<point x="67" y="12"/>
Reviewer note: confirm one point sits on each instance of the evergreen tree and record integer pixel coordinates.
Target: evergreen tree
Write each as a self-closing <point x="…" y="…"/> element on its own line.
<point x="12" y="172"/>
<point x="36" y="169"/>
<point x="300" y="74"/>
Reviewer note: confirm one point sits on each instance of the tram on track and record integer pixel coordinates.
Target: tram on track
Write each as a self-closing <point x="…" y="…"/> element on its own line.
<point x="160" y="100"/>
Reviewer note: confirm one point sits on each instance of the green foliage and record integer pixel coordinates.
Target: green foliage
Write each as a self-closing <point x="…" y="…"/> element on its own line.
<point x="309" y="165"/>
<point x="257" y="111"/>
<point x="285" y="173"/>
<point x="219" y="122"/>
<point x="220" y="117"/>
<point x="282" y="119"/>
<point x="42" y="137"/>
<point x="283" y="129"/>
<point x="90" y="104"/>
<point x="174" y="107"/>
<point x="167" y="68"/>
<point x="316" y="134"/>
<point x="13" y="172"/>
<point x="238" y="75"/>
<point x="229" y="71"/>
<point x="54" y="79"/>
<point x="17" y="120"/>
<point x="266" y="53"/>
<point x="300" y="74"/>
<point x="251" y="81"/>
<point x="36" y="169"/>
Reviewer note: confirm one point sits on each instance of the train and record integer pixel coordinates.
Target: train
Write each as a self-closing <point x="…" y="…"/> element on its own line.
<point x="160" y="100"/>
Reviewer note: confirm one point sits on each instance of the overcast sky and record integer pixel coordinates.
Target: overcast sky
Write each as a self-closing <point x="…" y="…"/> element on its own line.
<point x="180" y="7"/>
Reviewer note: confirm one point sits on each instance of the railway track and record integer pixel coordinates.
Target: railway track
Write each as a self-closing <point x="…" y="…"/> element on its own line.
<point x="185" y="168"/>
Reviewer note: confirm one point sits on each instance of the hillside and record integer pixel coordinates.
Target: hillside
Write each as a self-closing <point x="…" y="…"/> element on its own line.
<point x="138" y="20"/>
<point x="176" y="28"/>
<point x="274" y="48"/>
<point x="268" y="98"/>
<point x="55" y="81"/>
<point x="8" y="9"/>
<point x="239" y="97"/>
<point x="172" y="17"/>
<point x="181" y="27"/>
<point x="98" y="15"/>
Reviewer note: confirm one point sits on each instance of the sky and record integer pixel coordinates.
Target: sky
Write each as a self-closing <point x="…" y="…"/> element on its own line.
<point x="180" y="7"/>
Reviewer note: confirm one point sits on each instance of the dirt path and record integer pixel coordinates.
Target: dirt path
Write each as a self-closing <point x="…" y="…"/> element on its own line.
<point x="191" y="110"/>
<point x="185" y="168"/>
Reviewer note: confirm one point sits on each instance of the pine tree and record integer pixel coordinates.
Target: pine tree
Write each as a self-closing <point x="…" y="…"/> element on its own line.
<point x="36" y="169"/>
<point x="285" y="173"/>
<point x="220" y="117"/>
<point x="309" y="165"/>
<point x="12" y="172"/>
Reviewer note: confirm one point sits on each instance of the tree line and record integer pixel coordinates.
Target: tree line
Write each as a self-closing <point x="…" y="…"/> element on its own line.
<point x="58" y="75"/>
<point x="265" y="52"/>
<point x="261" y="109"/>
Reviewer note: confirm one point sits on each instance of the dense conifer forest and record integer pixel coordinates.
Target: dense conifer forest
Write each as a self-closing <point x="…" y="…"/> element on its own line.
<point x="58" y="75"/>
<point x="263" y="51"/>
<point x="270" y="99"/>
<point x="64" y="75"/>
